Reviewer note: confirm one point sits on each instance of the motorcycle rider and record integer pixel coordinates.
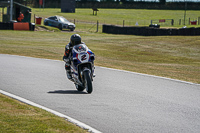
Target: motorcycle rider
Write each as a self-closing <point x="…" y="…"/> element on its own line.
<point x="74" y="40"/>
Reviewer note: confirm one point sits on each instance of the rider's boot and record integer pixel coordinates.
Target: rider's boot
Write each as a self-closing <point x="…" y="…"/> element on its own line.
<point x="69" y="74"/>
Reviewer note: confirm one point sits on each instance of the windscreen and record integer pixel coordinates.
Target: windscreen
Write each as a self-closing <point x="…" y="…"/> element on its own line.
<point x="80" y="48"/>
<point x="63" y="19"/>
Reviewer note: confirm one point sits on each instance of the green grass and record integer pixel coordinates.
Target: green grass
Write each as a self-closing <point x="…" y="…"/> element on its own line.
<point x="17" y="117"/>
<point x="116" y="16"/>
<point x="175" y="57"/>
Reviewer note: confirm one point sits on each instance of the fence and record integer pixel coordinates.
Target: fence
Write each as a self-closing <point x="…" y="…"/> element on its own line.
<point x="164" y="23"/>
<point x="95" y="26"/>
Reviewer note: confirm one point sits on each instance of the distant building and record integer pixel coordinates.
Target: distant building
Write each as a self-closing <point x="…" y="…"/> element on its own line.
<point x="68" y="6"/>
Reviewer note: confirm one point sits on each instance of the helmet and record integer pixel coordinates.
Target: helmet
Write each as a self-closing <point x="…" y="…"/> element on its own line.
<point x="75" y="39"/>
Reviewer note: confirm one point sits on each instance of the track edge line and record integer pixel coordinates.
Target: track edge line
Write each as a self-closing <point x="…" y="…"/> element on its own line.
<point x="72" y="120"/>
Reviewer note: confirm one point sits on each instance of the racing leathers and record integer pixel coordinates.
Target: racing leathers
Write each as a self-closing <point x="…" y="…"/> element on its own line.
<point x="66" y="58"/>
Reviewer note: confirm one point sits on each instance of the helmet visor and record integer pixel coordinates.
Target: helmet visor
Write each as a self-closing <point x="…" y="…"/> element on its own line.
<point x="76" y="42"/>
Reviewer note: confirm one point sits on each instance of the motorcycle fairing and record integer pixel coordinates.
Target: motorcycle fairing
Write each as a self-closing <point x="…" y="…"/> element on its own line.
<point x="81" y="54"/>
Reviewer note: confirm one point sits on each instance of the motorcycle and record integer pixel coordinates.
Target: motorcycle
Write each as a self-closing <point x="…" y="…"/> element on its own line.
<point x="82" y="67"/>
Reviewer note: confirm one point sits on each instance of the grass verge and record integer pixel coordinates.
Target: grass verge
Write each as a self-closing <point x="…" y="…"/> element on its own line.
<point x="21" y="118"/>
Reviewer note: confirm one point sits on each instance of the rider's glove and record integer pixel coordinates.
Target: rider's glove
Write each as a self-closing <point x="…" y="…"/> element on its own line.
<point x="66" y="60"/>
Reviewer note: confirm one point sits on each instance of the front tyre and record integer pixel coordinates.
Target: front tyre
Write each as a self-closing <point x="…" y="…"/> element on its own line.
<point x="88" y="82"/>
<point x="79" y="88"/>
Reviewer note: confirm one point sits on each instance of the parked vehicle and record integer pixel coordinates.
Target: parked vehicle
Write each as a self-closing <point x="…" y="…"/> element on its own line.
<point x="82" y="67"/>
<point x="59" y="22"/>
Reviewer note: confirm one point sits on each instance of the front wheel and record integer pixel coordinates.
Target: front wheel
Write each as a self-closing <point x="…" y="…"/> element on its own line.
<point x="88" y="82"/>
<point x="79" y="88"/>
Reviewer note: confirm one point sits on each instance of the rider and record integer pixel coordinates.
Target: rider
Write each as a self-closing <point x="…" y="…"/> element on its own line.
<point x="21" y="16"/>
<point x="74" y="40"/>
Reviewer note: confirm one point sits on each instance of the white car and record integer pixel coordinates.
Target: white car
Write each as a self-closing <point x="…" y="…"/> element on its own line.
<point x="59" y="22"/>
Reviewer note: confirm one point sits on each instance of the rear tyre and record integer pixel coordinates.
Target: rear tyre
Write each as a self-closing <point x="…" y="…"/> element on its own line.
<point x="46" y="23"/>
<point x="60" y="26"/>
<point x="88" y="82"/>
<point x="79" y="88"/>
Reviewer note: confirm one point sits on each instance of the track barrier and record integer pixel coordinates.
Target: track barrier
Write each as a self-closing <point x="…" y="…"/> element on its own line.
<point x="21" y="26"/>
<point x="6" y="26"/>
<point x="150" y="31"/>
<point x="17" y="26"/>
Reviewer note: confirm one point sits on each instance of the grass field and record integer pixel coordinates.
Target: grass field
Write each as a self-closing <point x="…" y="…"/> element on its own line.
<point x="116" y="16"/>
<point x="175" y="57"/>
<point x="17" y="117"/>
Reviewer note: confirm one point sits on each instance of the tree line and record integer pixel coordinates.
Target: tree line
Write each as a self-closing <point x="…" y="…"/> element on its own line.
<point x="58" y="1"/>
<point x="124" y="4"/>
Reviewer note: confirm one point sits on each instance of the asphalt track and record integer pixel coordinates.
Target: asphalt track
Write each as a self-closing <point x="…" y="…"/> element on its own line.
<point x="121" y="102"/>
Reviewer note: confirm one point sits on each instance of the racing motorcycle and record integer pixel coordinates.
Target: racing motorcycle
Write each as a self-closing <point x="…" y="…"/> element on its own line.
<point x="82" y="67"/>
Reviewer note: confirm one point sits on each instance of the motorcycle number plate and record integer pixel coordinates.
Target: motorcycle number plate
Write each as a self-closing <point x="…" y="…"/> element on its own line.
<point x="83" y="57"/>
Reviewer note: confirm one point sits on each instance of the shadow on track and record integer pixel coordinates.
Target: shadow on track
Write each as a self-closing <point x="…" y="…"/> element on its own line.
<point x="67" y="92"/>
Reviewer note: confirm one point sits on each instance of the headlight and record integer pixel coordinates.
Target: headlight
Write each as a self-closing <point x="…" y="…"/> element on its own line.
<point x="65" y="26"/>
<point x="71" y="26"/>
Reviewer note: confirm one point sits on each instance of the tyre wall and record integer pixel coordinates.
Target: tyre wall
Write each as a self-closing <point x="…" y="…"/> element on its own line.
<point x="150" y="31"/>
<point x="17" y="26"/>
<point x="6" y="26"/>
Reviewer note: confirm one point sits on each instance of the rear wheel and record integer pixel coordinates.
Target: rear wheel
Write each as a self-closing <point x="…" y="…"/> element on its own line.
<point x="46" y="23"/>
<point x="88" y="82"/>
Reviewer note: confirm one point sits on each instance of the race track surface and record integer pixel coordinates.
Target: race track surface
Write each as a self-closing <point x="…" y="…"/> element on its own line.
<point x="121" y="102"/>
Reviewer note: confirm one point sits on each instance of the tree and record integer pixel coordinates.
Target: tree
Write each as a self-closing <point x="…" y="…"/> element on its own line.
<point x="162" y="1"/>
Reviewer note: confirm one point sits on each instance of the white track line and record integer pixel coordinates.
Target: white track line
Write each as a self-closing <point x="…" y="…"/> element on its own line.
<point x="149" y="75"/>
<point x="78" y="123"/>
